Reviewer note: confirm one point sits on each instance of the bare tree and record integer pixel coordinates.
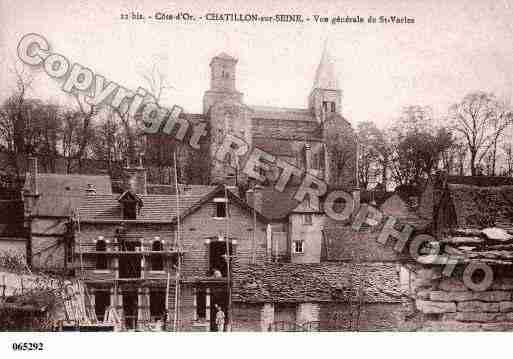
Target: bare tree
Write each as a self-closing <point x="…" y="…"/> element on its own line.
<point x="480" y="119"/>
<point x="507" y="148"/>
<point x="372" y="154"/>
<point x="13" y="119"/>
<point x="86" y="113"/>
<point x="109" y="143"/>
<point x="417" y="146"/>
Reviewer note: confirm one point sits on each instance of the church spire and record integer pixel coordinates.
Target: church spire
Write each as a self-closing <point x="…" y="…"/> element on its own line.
<point x="325" y="76"/>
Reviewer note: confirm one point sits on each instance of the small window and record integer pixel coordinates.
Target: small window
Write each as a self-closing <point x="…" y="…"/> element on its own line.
<point x="307" y="219"/>
<point x="157" y="260"/>
<point x="221" y="209"/>
<point x="333" y="107"/>
<point x="298" y="246"/>
<point x="325" y="106"/>
<point x="101" y="258"/>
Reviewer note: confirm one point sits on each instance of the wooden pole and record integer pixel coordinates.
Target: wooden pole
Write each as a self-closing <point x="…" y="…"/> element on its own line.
<point x="177" y="246"/>
<point x="228" y="262"/>
<point x="253" y="254"/>
<point x="167" y="295"/>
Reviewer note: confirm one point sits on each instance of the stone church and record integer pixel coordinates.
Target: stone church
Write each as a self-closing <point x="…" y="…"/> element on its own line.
<point x="317" y="137"/>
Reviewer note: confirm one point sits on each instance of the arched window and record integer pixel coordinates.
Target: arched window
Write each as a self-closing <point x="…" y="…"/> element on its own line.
<point x="101" y="258"/>
<point x="157" y="259"/>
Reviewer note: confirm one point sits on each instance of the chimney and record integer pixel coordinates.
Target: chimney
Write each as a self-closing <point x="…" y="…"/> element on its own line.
<point x="254" y="197"/>
<point x="32" y="172"/>
<point x="356" y="198"/>
<point x="308" y="157"/>
<point x="137" y="177"/>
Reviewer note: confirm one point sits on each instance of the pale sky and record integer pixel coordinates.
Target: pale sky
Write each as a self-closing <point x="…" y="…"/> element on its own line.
<point x="451" y="49"/>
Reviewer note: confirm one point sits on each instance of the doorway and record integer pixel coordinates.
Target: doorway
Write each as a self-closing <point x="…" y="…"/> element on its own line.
<point x="218" y="296"/>
<point x="218" y="257"/>
<point x="130" y="303"/>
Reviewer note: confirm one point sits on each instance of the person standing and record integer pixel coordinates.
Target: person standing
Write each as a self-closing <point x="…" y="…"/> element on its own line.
<point x="220" y="318"/>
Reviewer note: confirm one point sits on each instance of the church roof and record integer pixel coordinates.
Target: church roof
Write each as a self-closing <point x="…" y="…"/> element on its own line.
<point x="282" y="113"/>
<point x="225" y="56"/>
<point x="326" y="76"/>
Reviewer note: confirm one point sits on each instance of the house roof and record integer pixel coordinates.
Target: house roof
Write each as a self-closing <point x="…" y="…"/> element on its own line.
<point x="169" y="189"/>
<point x="478" y="207"/>
<point x="315" y="282"/>
<point x="155" y="208"/>
<point x="278" y="205"/>
<point x="60" y="194"/>
<point x="52" y="183"/>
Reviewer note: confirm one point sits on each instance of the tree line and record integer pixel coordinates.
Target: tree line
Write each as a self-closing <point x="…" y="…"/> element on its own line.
<point x="472" y="139"/>
<point x="69" y="136"/>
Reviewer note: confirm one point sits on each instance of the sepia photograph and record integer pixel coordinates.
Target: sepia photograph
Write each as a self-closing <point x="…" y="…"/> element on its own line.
<point x="332" y="170"/>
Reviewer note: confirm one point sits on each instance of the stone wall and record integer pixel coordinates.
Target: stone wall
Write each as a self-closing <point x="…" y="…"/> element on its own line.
<point x="367" y="317"/>
<point x="246" y="317"/>
<point x="446" y="304"/>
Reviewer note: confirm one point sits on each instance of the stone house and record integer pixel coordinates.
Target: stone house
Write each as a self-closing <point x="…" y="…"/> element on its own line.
<point x="127" y="252"/>
<point x="50" y="203"/>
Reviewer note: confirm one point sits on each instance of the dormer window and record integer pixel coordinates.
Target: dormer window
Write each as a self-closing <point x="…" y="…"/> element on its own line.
<point x="130" y="211"/>
<point x="130" y="205"/>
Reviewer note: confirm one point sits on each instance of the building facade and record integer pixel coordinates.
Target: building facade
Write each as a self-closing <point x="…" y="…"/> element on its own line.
<point x="162" y="259"/>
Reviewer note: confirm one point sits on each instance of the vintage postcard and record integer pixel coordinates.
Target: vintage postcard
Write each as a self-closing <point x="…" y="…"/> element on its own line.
<point x="255" y="166"/>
